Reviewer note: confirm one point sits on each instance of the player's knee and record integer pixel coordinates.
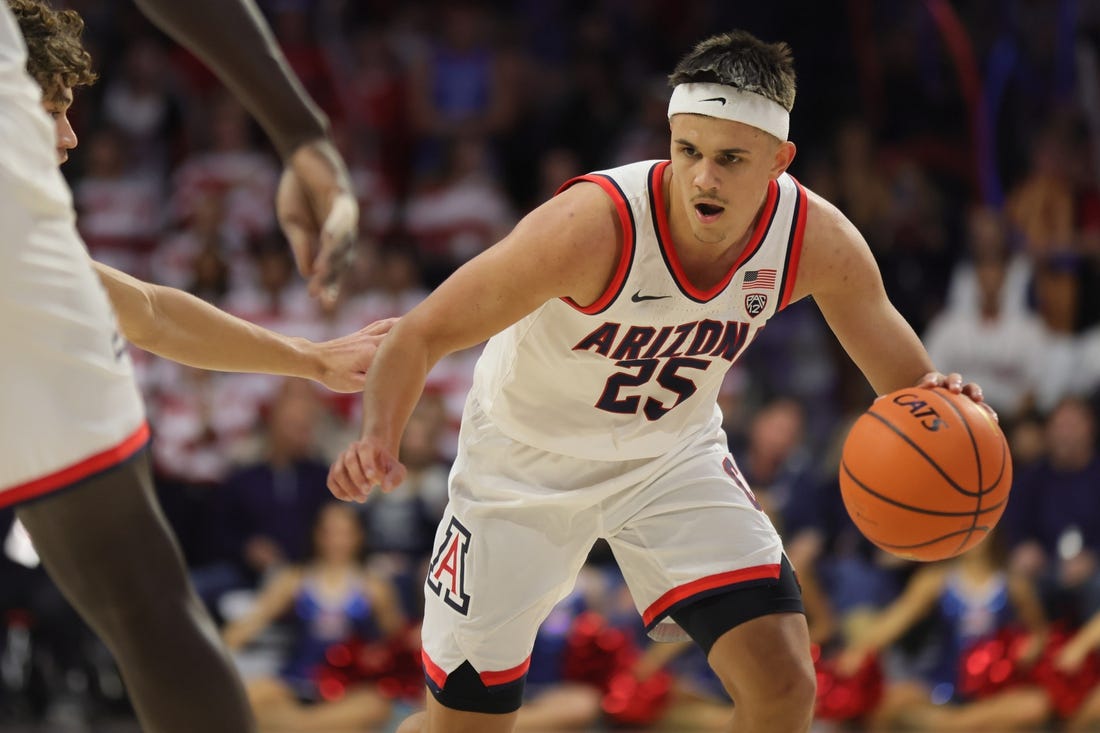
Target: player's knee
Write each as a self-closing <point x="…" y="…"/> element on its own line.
<point x="784" y="699"/>
<point x="794" y="686"/>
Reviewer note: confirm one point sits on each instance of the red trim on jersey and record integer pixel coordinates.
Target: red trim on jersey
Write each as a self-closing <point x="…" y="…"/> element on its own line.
<point x="80" y="470"/>
<point x="627" y="220"/>
<point x="665" y="238"/>
<point x="433" y="670"/>
<point x="505" y="676"/>
<point x="791" y="270"/>
<point x="681" y="593"/>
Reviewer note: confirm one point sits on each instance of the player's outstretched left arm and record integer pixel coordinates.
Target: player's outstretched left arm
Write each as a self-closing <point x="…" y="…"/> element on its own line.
<point x="567" y="247"/>
<point x="178" y="326"/>
<point x="839" y="271"/>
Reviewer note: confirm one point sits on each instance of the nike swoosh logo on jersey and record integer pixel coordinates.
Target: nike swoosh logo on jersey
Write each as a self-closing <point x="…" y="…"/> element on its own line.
<point x="638" y="297"/>
<point x="721" y="100"/>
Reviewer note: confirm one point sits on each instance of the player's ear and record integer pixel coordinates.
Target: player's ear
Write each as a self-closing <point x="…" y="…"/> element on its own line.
<point x="784" y="155"/>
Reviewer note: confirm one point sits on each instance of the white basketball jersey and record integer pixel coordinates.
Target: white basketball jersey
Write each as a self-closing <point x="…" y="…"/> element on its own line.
<point x="639" y="370"/>
<point x="69" y="407"/>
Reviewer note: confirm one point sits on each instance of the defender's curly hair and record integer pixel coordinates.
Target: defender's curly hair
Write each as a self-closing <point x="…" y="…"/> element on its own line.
<point x="740" y="59"/>
<point x="54" y="49"/>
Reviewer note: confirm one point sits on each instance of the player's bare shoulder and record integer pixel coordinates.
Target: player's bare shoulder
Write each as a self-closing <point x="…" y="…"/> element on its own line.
<point x="582" y="215"/>
<point x="834" y="254"/>
<point x="579" y="234"/>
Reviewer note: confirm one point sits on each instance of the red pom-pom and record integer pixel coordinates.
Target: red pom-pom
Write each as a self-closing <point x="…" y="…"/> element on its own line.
<point x="846" y="697"/>
<point x="1067" y="691"/>
<point x="633" y="702"/>
<point x="596" y="651"/>
<point x="393" y="666"/>
<point x="993" y="665"/>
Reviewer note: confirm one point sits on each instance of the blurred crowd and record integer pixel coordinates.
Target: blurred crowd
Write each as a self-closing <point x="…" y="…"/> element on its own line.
<point x="961" y="138"/>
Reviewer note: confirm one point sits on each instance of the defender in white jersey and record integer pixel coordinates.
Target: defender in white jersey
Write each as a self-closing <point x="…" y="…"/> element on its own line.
<point x="73" y="427"/>
<point x="68" y="365"/>
<point x="613" y="310"/>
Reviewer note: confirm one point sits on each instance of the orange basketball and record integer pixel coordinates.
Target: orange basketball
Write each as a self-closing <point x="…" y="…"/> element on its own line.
<point x="925" y="473"/>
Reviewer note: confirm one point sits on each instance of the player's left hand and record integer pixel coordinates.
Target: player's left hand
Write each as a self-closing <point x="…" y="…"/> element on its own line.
<point x="953" y="382"/>
<point x="319" y="214"/>
<point x="366" y="463"/>
<point x="344" y="361"/>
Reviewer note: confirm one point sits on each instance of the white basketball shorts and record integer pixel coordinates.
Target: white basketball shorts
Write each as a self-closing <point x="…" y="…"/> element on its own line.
<point x="520" y="524"/>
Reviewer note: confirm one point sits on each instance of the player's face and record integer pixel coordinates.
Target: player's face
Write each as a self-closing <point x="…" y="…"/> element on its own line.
<point x="57" y="101"/>
<point x="720" y="174"/>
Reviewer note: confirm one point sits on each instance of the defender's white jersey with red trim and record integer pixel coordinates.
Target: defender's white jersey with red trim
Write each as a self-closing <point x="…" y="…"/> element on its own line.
<point x="639" y="370"/>
<point x="69" y="407"/>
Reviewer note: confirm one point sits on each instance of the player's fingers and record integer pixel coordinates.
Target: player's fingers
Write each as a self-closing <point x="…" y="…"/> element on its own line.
<point x="348" y="383"/>
<point x="953" y="382"/>
<point x="992" y="413"/>
<point x="302" y="246"/>
<point x="339" y="484"/>
<point x="380" y="327"/>
<point x="295" y="220"/>
<point x="394" y="476"/>
<point x="336" y="252"/>
<point x="931" y="379"/>
<point x="973" y="391"/>
<point x="359" y="471"/>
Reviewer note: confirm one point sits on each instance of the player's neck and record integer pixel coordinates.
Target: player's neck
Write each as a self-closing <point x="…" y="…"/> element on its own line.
<point x="702" y="259"/>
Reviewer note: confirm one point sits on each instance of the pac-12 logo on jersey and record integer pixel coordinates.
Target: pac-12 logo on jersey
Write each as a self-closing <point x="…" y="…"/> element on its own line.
<point x="755" y="303"/>
<point x="447" y="573"/>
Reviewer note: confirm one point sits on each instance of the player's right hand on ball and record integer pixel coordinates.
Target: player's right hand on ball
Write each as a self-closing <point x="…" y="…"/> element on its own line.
<point x="365" y="464"/>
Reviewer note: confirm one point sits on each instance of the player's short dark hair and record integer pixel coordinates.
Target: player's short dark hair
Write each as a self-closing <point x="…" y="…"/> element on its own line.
<point x="55" y="52"/>
<point x="741" y="60"/>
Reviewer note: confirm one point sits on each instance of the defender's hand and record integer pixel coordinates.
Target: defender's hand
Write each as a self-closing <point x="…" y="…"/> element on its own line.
<point x="319" y="214"/>
<point x="344" y="361"/>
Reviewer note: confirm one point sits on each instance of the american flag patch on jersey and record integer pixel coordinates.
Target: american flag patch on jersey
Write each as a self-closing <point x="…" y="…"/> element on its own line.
<point x="759" y="280"/>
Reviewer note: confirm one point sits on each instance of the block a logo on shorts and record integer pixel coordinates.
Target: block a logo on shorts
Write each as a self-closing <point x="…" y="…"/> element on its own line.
<point x="755" y="303"/>
<point x="447" y="573"/>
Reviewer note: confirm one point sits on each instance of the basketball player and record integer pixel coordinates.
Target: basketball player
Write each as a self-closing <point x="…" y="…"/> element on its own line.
<point x="166" y="321"/>
<point x="614" y="309"/>
<point x="73" y="429"/>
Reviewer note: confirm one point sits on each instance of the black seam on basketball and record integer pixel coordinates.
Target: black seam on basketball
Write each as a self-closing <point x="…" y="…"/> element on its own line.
<point x="977" y="460"/>
<point x="909" y="507"/>
<point x="923" y="455"/>
<point x="941" y="538"/>
<point x="969" y="433"/>
<point x="977" y="454"/>
<point x="1004" y="463"/>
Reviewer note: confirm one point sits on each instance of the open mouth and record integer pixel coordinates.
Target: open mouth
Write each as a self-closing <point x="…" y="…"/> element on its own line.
<point x="708" y="212"/>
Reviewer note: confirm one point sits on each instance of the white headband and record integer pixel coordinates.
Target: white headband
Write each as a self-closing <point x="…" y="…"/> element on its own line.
<point x="730" y="103"/>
